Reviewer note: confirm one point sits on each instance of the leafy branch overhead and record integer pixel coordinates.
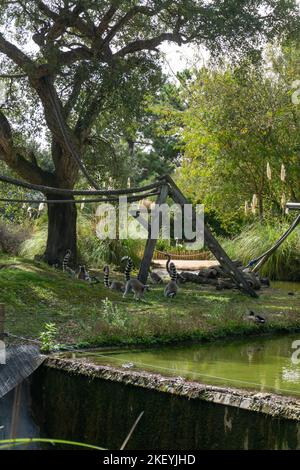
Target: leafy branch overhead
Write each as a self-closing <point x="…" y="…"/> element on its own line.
<point x="91" y="40"/>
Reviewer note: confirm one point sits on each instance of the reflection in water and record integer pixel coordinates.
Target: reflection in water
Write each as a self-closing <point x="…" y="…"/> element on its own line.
<point x="260" y="363"/>
<point x="287" y="286"/>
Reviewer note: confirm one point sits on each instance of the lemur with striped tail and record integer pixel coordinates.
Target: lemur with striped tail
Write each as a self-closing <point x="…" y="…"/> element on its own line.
<point x="114" y="285"/>
<point x="65" y="264"/>
<point x="66" y="260"/>
<point x="128" y="267"/>
<point x="136" y="287"/>
<point x="171" y="288"/>
<point x="133" y="285"/>
<point x="83" y="275"/>
<point x="180" y="279"/>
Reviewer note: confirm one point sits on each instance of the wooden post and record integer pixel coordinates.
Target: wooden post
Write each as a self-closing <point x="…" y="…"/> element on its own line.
<point x="2" y="320"/>
<point x="235" y="274"/>
<point x="16" y="411"/>
<point x="151" y="242"/>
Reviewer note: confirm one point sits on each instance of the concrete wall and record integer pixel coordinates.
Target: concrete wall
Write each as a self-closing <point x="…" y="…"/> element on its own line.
<point x="101" y="411"/>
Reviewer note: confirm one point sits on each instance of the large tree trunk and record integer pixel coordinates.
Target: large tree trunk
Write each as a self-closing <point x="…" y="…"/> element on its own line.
<point x="61" y="231"/>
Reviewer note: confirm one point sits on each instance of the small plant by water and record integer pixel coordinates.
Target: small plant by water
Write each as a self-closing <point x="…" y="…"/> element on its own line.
<point x="113" y="315"/>
<point x="47" y="337"/>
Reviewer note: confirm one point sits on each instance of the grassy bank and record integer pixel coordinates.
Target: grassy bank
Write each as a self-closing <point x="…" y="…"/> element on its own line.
<point x="35" y="294"/>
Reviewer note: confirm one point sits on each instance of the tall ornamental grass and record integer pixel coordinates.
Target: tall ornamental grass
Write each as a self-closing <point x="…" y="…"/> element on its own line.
<point x="284" y="264"/>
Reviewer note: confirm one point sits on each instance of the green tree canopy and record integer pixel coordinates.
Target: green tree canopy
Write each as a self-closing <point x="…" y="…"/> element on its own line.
<point x="85" y="53"/>
<point x="240" y="136"/>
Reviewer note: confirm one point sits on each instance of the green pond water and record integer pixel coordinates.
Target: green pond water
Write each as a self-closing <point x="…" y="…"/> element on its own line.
<point x="261" y="363"/>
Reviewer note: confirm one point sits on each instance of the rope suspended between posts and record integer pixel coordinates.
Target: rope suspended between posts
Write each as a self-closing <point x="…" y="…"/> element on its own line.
<point x="78" y="201"/>
<point x="86" y="192"/>
<point x="28" y="340"/>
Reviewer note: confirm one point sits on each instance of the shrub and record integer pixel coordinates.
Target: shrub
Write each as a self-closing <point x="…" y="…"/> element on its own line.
<point x="113" y="315"/>
<point x="36" y="243"/>
<point x="12" y="236"/>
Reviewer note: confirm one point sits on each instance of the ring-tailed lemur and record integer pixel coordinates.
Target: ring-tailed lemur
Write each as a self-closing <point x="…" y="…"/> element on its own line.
<point x="132" y="284"/>
<point x="172" y="288"/>
<point x="137" y="287"/>
<point x="65" y="264"/>
<point x="83" y="275"/>
<point x="128" y="268"/>
<point x="114" y="285"/>
<point x="180" y="279"/>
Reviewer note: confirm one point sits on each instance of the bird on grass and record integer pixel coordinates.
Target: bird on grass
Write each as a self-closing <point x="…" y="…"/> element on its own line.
<point x="257" y="318"/>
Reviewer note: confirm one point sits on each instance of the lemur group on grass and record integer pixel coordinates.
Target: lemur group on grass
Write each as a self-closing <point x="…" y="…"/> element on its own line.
<point x="137" y="287"/>
<point x="130" y="284"/>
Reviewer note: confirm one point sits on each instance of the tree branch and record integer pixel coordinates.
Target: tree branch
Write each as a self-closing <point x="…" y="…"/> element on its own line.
<point x="46" y="10"/>
<point x="15" y="159"/>
<point x="15" y="54"/>
<point x="148" y="44"/>
<point x="104" y="23"/>
<point x="13" y="75"/>
<point x="79" y="79"/>
<point x="117" y="27"/>
<point x="78" y="53"/>
<point x="86" y="121"/>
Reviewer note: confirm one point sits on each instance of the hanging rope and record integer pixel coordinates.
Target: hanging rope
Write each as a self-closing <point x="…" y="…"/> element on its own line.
<point x="61" y="123"/>
<point x="21" y="338"/>
<point x="78" y="201"/>
<point x="71" y="192"/>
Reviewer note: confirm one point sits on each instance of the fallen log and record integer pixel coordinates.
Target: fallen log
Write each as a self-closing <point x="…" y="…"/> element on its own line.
<point x="217" y="277"/>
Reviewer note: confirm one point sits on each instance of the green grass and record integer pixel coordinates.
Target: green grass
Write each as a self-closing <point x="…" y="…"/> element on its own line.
<point x="35" y="294"/>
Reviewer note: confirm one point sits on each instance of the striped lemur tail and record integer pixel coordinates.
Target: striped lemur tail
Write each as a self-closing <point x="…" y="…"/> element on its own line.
<point x="66" y="260"/>
<point x="179" y="277"/>
<point x="173" y="272"/>
<point x="168" y="264"/>
<point x="128" y="267"/>
<point x="106" y="276"/>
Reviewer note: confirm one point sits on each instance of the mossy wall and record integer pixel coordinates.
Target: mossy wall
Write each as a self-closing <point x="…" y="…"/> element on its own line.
<point x="102" y="412"/>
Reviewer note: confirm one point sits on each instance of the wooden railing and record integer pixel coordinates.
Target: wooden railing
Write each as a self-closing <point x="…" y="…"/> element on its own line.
<point x="186" y="255"/>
